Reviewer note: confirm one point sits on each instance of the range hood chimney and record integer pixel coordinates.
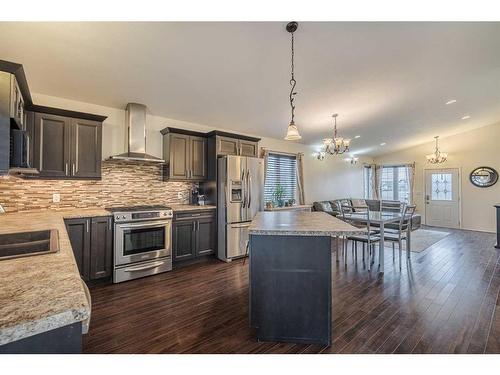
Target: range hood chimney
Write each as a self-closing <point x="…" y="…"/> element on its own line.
<point x="135" y="123"/>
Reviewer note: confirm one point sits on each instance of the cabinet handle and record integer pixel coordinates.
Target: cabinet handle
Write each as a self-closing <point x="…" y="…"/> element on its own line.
<point x="73" y="172"/>
<point x="240" y="150"/>
<point x="66" y="169"/>
<point x="194" y="226"/>
<point x="109" y="224"/>
<point x="87" y="222"/>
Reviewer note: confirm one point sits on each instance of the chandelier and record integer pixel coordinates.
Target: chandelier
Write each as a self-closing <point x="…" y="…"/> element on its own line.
<point x="292" y="133"/>
<point x="437" y="157"/>
<point x="336" y="145"/>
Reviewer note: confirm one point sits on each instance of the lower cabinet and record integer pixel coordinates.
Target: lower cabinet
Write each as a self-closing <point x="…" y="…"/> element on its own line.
<point x="92" y="243"/>
<point x="193" y="235"/>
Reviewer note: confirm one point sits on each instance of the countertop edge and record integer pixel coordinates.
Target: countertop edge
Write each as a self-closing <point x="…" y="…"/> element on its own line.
<point x="32" y="328"/>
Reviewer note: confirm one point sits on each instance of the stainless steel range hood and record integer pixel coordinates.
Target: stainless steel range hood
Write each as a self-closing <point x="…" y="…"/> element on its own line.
<point x="135" y="122"/>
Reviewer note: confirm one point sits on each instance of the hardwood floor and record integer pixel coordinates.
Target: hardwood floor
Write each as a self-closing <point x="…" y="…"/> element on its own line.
<point x="445" y="301"/>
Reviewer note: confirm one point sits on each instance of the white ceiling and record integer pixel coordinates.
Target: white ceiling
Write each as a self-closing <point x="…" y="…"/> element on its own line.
<point x="388" y="81"/>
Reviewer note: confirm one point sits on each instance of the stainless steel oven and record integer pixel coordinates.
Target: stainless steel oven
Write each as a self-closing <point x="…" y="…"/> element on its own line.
<point x="142" y="242"/>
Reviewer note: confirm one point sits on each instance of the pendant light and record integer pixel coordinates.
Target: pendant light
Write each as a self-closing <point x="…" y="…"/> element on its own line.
<point x="292" y="133"/>
<point x="437" y="157"/>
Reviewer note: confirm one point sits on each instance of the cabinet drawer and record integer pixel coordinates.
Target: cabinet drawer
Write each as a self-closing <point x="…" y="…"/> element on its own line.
<point x="194" y="214"/>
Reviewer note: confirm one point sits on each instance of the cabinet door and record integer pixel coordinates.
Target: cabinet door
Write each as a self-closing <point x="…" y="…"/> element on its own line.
<point x="183" y="241"/>
<point x="52" y="145"/>
<point x="101" y="248"/>
<point x="198" y="158"/>
<point x="17" y="103"/>
<point x="79" y="236"/>
<point x="86" y="148"/>
<point x="179" y="156"/>
<point x="205" y="236"/>
<point x="248" y="148"/>
<point x="227" y="146"/>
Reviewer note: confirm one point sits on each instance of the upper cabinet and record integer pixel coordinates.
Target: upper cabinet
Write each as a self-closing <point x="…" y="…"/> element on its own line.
<point x="233" y="144"/>
<point x="185" y="155"/>
<point x="67" y="147"/>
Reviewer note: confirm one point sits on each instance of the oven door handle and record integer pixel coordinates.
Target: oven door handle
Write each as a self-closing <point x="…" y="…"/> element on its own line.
<point x="144" y="225"/>
<point x="143" y="268"/>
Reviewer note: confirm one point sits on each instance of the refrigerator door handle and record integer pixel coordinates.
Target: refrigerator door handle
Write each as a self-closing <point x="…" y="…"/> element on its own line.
<point x="249" y="182"/>
<point x="244" y="189"/>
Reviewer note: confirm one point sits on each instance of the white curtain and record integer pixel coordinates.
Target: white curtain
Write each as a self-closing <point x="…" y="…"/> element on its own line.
<point x="300" y="178"/>
<point x="376" y="180"/>
<point x="410" y="176"/>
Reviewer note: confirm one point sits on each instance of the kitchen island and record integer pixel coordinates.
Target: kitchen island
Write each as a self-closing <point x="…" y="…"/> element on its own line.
<point x="290" y="275"/>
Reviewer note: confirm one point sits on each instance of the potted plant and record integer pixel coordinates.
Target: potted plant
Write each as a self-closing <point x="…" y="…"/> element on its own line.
<point x="279" y="192"/>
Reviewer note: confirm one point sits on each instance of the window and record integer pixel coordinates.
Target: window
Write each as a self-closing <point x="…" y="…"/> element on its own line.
<point x="395" y="183"/>
<point x="367" y="182"/>
<point x="281" y="172"/>
<point x="441" y="187"/>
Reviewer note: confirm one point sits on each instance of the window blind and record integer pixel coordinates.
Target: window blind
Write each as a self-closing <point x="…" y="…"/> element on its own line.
<point x="281" y="171"/>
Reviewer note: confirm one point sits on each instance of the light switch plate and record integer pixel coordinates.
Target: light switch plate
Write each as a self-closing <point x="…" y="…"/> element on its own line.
<point x="56" y="197"/>
<point x="179" y="195"/>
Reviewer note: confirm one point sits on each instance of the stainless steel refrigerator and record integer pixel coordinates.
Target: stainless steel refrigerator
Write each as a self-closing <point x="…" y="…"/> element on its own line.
<point x="240" y="195"/>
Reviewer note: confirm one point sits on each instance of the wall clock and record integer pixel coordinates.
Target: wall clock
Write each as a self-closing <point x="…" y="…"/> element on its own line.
<point x="483" y="177"/>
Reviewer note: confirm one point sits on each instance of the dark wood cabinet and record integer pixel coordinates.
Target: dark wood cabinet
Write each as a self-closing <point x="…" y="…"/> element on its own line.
<point x="205" y="236"/>
<point x="66" y="147"/>
<point x="235" y="146"/>
<point x="198" y="158"/>
<point x="52" y="145"/>
<point x="194" y="235"/>
<point x="92" y="243"/>
<point x="79" y="236"/>
<point x="248" y="148"/>
<point x="101" y="247"/>
<point x="227" y="146"/>
<point x="183" y="241"/>
<point x="86" y="148"/>
<point x="185" y="155"/>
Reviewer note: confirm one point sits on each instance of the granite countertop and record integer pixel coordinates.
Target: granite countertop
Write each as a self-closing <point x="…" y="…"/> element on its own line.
<point x="190" y="207"/>
<point x="297" y="223"/>
<point x="43" y="292"/>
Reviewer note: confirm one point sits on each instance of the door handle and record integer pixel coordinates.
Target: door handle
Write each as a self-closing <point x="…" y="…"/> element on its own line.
<point x="239" y="226"/>
<point x="249" y="179"/>
<point x="142" y="225"/>
<point x="142" y="268"/>
<point x="244" y="189"/>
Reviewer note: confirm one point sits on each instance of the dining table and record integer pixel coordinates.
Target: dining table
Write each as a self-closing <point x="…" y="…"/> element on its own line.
<point x="380" y="218"/>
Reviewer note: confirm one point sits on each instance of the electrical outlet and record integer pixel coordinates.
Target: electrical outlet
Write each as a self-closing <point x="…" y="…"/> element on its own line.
<point x="56" y="197"/>
<point x="179" y="195"/>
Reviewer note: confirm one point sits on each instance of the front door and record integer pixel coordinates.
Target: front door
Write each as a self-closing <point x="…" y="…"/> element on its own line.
<point x="442" y="198"/>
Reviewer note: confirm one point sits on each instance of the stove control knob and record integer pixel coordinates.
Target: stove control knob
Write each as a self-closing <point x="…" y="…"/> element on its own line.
<point x="123" y="217"/>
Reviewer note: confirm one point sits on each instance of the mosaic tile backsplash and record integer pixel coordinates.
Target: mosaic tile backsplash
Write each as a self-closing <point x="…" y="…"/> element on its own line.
<point x="123" y="183"/>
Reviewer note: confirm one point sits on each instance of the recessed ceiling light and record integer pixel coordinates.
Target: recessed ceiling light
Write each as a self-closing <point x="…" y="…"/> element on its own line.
<point x="452" y="101"/>
<point x="383" y="144"/>
<point x="358" y="136"/>
<point x="466" y="117"/>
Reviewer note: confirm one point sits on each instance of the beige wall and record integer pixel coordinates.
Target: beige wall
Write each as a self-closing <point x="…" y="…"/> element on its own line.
<point x="330" y="179"/>
<point x="467" y="151"/>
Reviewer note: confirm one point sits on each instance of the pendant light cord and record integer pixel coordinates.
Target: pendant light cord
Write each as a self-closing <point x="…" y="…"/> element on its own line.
<point x="293" y="83"/>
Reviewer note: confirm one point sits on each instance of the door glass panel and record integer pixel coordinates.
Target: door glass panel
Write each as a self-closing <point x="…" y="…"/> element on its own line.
<point x="137" y="241"/>
<point x="442" y="189"/>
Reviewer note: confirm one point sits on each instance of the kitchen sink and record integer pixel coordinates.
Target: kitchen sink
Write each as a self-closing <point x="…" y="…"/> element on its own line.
<point x="23" y="244"/>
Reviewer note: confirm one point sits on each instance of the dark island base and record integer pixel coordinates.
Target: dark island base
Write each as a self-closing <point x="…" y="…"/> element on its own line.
<point x="64" y="340"/>
<point x="291" y="288"/>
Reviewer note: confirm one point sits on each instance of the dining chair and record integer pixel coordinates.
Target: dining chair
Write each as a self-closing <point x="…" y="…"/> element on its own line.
<point x="401" y="233"/>
<point x="369" y="239"/>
